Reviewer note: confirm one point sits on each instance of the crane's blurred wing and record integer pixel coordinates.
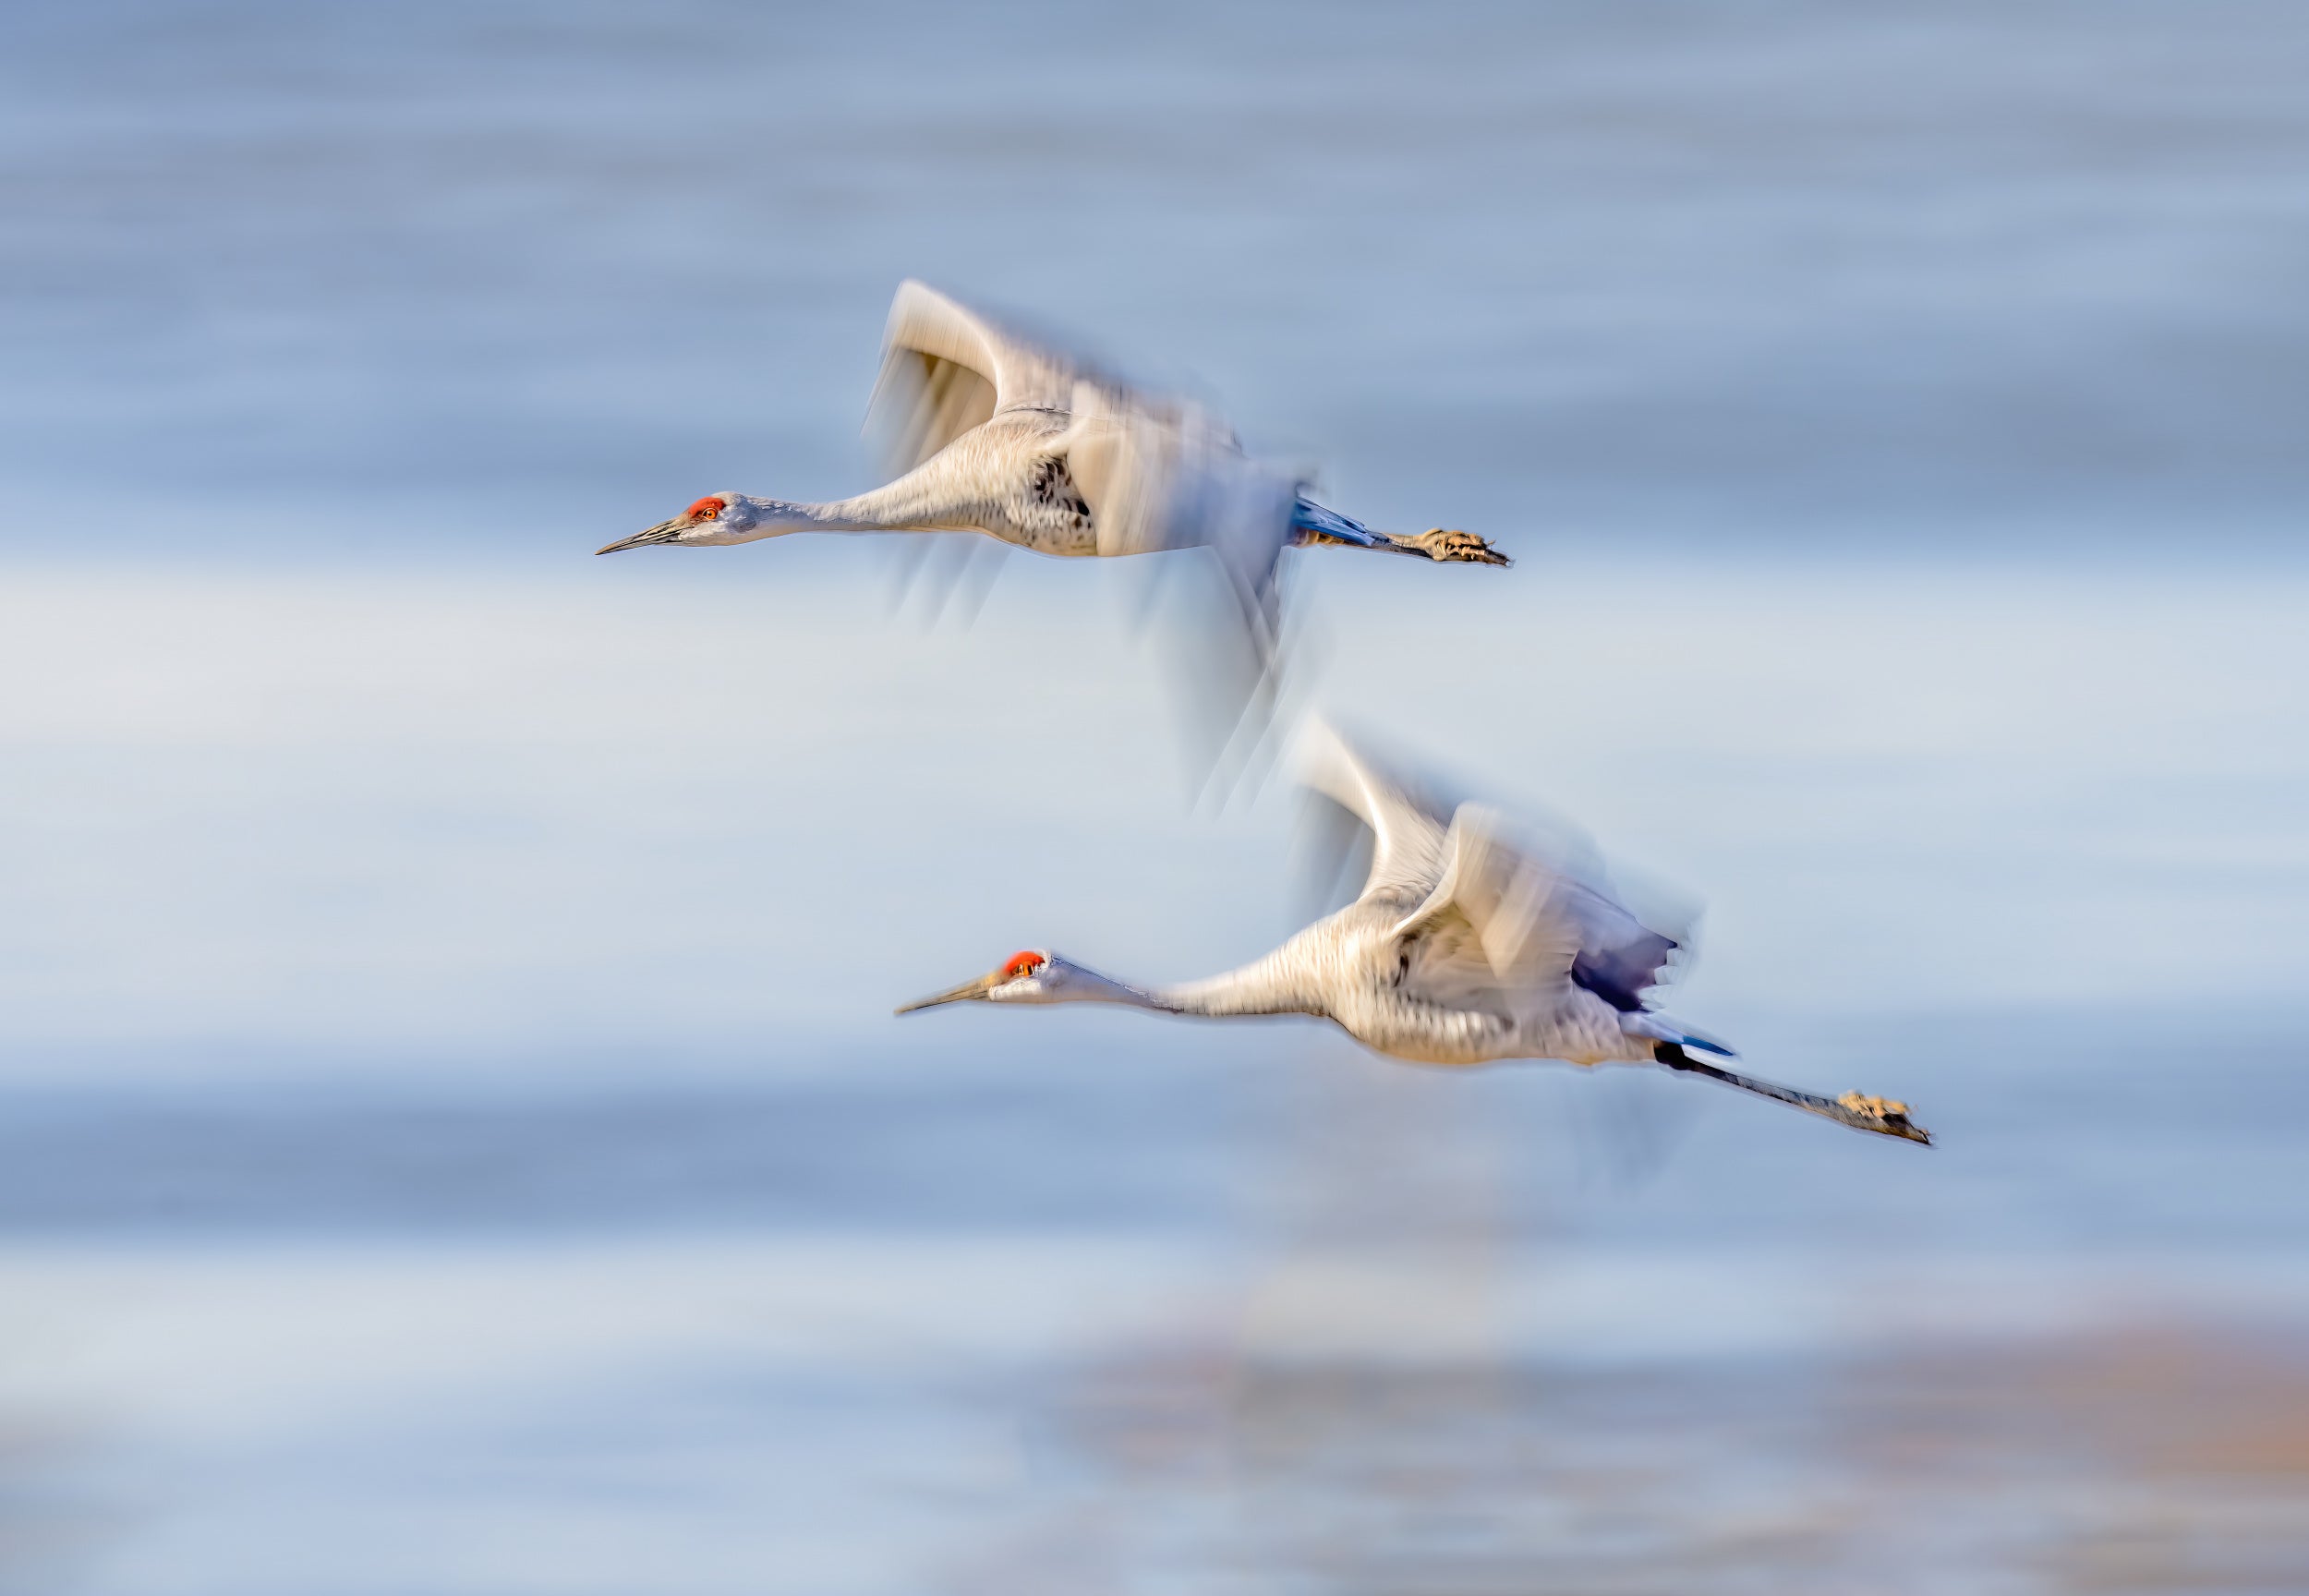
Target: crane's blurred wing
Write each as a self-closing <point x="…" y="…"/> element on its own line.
<point x="1498" y="920"/>
<point x="947" y="369"/>
<point x="1408" y="829"/>
<point x="1331" y="851"/>
<point x="1501" y="919"/>
<point x="1620" y="958"/>
<point x="921" y="404"/>
<point x="1161" y="475"/>
<point x="1158" y="473"/>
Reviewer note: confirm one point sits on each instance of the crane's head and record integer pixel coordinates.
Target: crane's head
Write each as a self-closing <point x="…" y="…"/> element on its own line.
<point x="716" y="519"/>
<point x="1034" y="976"/>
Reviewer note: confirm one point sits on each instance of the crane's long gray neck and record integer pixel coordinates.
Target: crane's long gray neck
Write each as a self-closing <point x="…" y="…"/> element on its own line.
<point x="918" y="501"/>
<point x="1262" y="988"/>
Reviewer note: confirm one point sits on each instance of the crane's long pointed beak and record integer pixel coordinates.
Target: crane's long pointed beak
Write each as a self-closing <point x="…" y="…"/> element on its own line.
<point x="664" y="532"/>
<point x="962" y="994"/>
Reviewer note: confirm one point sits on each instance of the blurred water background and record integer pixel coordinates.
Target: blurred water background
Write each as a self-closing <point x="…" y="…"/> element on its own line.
<point x="453" y="1138"/>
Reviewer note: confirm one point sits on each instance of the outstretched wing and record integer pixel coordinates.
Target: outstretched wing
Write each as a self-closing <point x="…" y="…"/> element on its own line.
<point x="1511" y="902"/>
<point x="1157" y="473"/>
<point x="947" y="369"/>
<point x="1503" y="920"/>
<point x="1408" y="829"/>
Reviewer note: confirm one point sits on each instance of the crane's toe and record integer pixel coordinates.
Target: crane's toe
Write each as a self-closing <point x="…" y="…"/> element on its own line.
<point x="1450" y="544"/>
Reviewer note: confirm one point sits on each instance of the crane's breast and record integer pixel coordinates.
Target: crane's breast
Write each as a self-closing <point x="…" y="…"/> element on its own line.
<point x="1054" y="517"/>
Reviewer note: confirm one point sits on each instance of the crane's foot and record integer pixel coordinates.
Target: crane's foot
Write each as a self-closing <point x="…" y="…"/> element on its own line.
<point x="1451" y="547"/>
<point x="1882" y="1114"/>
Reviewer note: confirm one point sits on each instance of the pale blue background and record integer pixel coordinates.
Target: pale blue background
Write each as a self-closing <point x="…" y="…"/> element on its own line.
<point x="451" y="1133"/>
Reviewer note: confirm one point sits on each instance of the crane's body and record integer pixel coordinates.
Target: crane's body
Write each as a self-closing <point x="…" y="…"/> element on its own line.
<point x="1461" y="949"/>
<point x="995" y="433"/>
<point x="1354" y="969"/>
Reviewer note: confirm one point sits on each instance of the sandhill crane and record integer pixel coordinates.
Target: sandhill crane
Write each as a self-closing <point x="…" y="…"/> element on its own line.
<point x="994" y="432"/>
<point x="1462" y="949"/>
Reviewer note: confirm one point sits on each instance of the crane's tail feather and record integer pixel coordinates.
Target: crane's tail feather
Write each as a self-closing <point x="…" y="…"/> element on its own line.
<point x="1314" y="522"/>
<point x="1881" y="1115"/>
<point x="1658" y="1028"/>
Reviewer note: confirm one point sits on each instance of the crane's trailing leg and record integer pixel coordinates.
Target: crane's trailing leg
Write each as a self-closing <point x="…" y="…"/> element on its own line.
<point x="1881" y="1115"/>
<point x="1316" y="523"/>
